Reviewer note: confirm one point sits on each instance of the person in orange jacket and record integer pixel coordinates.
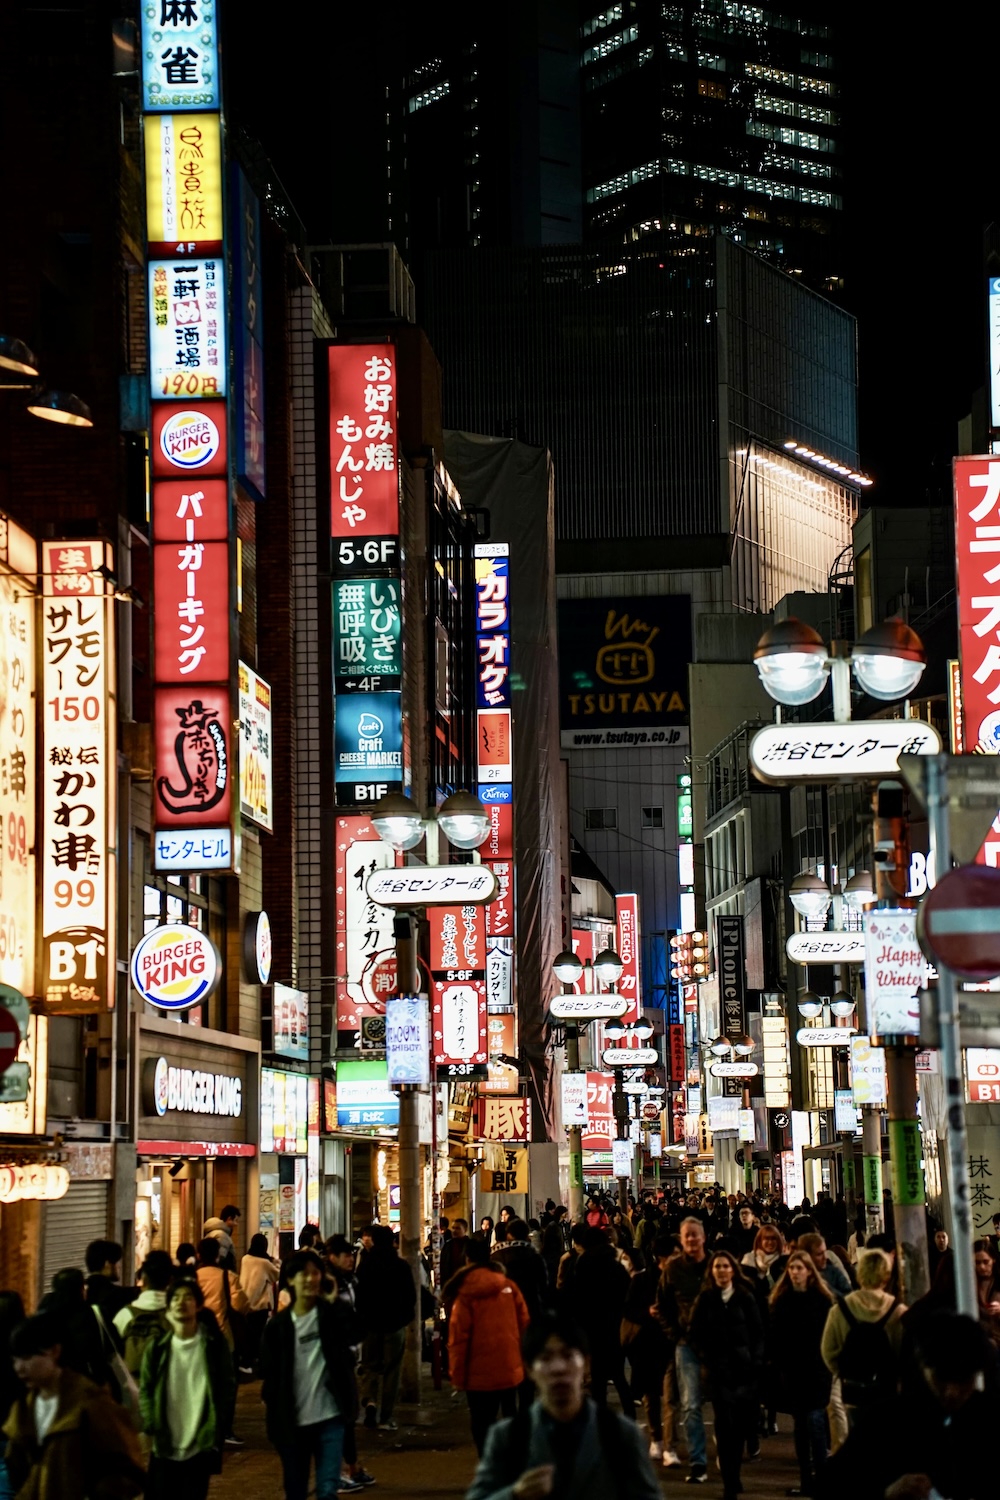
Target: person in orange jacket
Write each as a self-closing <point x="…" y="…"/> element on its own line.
<point x="488" y="1317"/>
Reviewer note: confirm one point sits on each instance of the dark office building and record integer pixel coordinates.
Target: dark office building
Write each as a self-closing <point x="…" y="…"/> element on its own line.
<point x="715" y="116"/>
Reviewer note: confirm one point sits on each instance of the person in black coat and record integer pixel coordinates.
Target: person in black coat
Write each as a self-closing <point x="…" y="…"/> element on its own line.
<point x="800" y="1381"/>
<point x="523" y="1265"/>
<point x="728" y="1333"/>
<point x="555" y="1241"/>
<point x="386" y="1302"/>
<point x="649" y="1350"/>
<point x="594" y="1298"/>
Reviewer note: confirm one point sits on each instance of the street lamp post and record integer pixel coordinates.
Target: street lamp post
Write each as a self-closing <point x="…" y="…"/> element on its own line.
<point x="618" y="1031"/>
<point x="794" y="664"/>
<point x="465" y="823"/>
<point x="568" y="970"/>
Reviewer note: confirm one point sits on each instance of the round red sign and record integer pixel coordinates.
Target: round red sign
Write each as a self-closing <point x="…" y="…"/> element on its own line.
<point x="650" y="1111"/>
<point x="958" y="922"/>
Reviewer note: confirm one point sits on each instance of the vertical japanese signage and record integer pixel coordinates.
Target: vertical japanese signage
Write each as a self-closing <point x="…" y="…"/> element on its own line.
<point x="977" y="536"/>
<point x="993" y="324"/>
<point x="195" y="806"/>
<point x="730" y="961"/>
<point x="458" y="990"/>
<point x="248" y="340"/>
<point x="364" y="470"/>
<point x="364" y="524"/>
<point x="19" y="767"/>
<point x="600" y="1131"/>
<point x="78" y="773"/>
<point x="180" y="55"/>
<point x="256" y="793"/>
<point x="363" y="929"/>
<point x="629" y="982"/>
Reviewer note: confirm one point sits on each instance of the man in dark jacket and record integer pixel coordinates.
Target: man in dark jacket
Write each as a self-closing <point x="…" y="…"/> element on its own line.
<point x="386" y="1303"/>
<point x="680" y="1283"/>
<point x="555" y="1241"/>
<point x="563" y="1445"/>
<point x="523" y="1265"/>
<point x="308" y="1386"/>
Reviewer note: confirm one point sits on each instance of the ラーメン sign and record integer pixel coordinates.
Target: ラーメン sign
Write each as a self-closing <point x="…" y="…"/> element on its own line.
<point x="175" y="966"/>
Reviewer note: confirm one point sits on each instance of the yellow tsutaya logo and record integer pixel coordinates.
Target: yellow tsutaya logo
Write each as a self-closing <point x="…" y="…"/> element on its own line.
<point x="628" y="654"/>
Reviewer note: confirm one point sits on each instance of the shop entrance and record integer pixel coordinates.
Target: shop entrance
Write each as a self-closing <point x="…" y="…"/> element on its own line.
<point x="170" y="1207"/>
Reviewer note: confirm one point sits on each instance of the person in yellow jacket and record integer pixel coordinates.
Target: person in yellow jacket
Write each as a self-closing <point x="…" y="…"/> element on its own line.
<point x="67" y="1439"/>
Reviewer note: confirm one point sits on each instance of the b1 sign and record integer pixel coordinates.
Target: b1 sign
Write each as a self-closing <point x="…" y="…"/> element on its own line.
<point x="895" y="972"/>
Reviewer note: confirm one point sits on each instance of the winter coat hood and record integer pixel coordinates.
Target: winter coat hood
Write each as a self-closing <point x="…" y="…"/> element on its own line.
<point x="482" y="1283"/>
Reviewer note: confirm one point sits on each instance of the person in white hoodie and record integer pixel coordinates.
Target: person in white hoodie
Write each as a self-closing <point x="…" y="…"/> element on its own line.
<point x="223" y="1229"/>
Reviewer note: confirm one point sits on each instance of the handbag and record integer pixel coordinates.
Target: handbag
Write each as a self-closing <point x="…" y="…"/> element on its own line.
<point x="127" y="1393"/>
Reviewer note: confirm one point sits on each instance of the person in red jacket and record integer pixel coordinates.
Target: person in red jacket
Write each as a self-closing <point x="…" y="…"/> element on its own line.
<point x="488" y="1317"/>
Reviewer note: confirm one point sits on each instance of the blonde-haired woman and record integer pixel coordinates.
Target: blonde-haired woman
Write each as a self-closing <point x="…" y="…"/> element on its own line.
<point x="799" y="1307"/>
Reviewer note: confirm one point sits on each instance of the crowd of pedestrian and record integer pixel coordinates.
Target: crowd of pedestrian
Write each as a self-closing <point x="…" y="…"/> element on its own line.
<point x="112" y="1392"/>
<point x="732" y="1302"/>
<point x="676" y="1304"/>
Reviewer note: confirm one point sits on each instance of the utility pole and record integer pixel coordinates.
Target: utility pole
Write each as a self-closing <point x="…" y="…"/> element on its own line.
<point x="622" y="1122"/>
<point x="892" y="861"/>
<point x="410" y="1175"/>
<point x="575" y="1132"/>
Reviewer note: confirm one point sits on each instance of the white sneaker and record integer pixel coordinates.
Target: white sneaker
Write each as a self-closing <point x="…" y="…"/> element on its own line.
<point x="669" y="1458"/>
<point x="656" y="1449"/>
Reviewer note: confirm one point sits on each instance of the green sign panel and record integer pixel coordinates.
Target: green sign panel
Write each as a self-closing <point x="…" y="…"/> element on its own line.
<point x="907" y="1174"/>
<point x="873" y="1179"/>
<point x="367" y="650"/>
<point x="685" y="819"/>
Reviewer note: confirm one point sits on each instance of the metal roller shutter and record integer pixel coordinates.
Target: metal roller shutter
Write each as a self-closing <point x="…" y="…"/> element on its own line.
<point x="70" y="1224"/>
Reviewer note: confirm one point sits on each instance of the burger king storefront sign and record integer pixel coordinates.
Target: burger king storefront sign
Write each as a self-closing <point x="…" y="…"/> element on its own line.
<point x="175" y="966"/>
<point x="189" y="1090"/>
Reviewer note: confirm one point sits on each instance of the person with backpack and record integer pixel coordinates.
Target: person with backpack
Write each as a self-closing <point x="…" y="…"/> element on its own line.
<point x="186" y="1393"/>
<point x="863" y="1336"/>
<point x="145" y="1318"/>
<point x="563" y="1444"/>
<point x="259" y="1279"/>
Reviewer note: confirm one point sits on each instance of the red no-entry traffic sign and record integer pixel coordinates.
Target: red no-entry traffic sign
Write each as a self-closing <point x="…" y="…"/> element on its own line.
<point x="10" y="1039"/>
<point x="958" y="922"/>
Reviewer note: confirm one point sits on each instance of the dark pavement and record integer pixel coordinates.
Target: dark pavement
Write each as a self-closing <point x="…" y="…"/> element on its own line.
<point x="432" y="1455"/>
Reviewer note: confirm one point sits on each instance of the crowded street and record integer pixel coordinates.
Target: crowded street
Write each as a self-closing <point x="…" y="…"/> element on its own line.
<point x="499" y="751"/>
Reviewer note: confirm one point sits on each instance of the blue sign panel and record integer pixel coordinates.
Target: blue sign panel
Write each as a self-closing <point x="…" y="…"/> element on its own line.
<point x="368" y="737"/>
<point x="499" y="791"/>
<point x="248" y="339"/>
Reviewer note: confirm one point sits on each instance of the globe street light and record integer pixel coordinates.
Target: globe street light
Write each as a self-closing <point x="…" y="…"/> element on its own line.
<point x="809" y="1004"/>
<point x="889" y="660"/>
<point x="567" y="967"/>
<point x="810" y="896"/>
<point x="397" y="821"/>
<point x="743" y="1046"/>
<point x="608" y="966"/>
<point x="859" y="891"/>
<point x="720" y="1046"/>
<point x="463" y="820"/>
<point x="792" y="662"/>
<point x="842" y="1004"/>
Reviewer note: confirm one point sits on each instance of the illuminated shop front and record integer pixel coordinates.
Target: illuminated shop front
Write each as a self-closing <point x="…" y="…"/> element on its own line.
<point x="196" y="1133"/>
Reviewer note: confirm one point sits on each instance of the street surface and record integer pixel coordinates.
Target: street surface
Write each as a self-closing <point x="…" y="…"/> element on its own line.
<point x="432" y="1455"/>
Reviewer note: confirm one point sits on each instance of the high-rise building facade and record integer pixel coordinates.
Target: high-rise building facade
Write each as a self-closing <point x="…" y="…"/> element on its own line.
<point x="715" y="116"/>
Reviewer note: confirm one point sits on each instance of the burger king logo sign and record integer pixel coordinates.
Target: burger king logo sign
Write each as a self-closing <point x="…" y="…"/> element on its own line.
<point x="175" y="967"/>
<point x="189" y="439"/>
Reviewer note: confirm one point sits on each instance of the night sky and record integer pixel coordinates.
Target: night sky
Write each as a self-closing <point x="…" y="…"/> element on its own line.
<point x="920" y="186"/>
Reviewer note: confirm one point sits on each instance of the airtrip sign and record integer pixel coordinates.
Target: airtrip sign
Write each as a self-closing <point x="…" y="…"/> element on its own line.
<point x="623" y="671"/>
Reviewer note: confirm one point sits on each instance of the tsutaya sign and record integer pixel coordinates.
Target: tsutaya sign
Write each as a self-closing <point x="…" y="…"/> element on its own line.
<point x="826" y="948"/>
<point x="439" y="885"/>
<point x="827" y="752"/>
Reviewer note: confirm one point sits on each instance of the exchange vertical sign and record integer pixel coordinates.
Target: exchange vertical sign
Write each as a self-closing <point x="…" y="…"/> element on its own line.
<point x="78" y="779"/>
<point x="731" y="964"/>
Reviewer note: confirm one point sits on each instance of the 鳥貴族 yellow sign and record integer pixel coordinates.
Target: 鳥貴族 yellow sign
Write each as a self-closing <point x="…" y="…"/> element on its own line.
<point x="183" y="184"/>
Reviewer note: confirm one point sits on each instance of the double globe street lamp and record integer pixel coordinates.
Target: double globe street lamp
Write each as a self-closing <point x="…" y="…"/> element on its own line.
<point x="605" y="970"/>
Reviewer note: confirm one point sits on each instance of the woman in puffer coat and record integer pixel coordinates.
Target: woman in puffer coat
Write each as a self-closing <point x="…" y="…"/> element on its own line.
<point x="728" y="1334"/>
<point x="488" y="1318"/>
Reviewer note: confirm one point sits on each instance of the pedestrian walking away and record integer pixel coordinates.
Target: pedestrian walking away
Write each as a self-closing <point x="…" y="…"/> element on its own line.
<point x="679" y="1288"/>
<point x="563" y="1447"/>
<point x="386" y="1300"/>
<point x="488" y="1319"/>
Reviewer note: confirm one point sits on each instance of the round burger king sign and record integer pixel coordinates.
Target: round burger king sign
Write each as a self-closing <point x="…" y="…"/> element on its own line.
<point x="175" y="967"/>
